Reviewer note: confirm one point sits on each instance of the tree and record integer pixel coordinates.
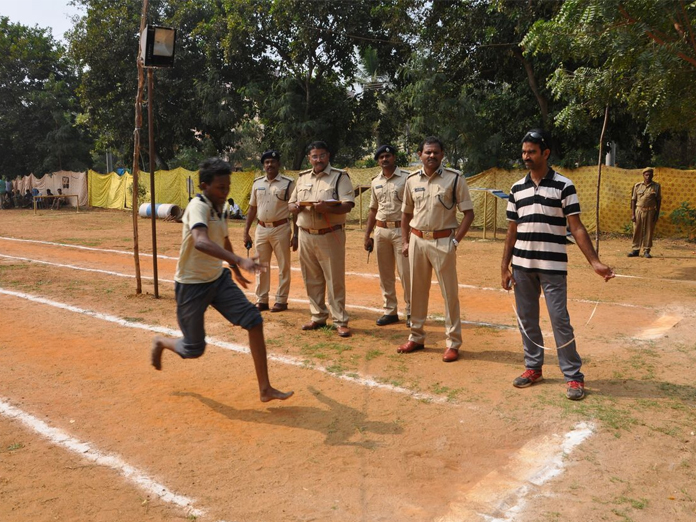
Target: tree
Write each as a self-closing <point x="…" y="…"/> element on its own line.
<point x="197" y="101"/>
<point x="637" y="55"/>
<point x="304" y="56"/>
<point x="472" y="84"/>
<point x="38" y="109"/>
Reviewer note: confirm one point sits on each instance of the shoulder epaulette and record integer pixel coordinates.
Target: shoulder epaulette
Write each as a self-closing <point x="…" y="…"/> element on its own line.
<point x="256" y="179"/>
<point x="287" y="177"/>
<point x="407" y="172"/>
<point x="308" y="171"/>
<point x="453" y="171"/>
<point x="341" y="171"/>
<point x="417" y="173"/>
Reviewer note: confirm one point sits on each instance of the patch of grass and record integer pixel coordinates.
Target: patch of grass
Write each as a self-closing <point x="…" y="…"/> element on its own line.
<point x="15" y="446"/>
<point x="336" y="368"/>
<point x="134" y="319"/>
<point x="80" y="241"/>
<point x="451" y="393"/>
<point x="634" y="503"/>
<point x="678" y="391"/>
<point x="373" y="354"/>
<point x="603" y="409"/>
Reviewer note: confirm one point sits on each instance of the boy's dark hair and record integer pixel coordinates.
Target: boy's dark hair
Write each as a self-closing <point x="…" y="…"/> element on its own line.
<point x="213" y="167"/>
<point x="539" y="137"/>
<point x="429" y="141"/>
<point x="317" y="145"/>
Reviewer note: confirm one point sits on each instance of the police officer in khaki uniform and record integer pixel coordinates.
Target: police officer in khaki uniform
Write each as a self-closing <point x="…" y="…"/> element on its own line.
<point x="321" y="199"/>
<point x="431" y="235"/>
<point x="269" y="204"/>
<point x="384" y="217"/>
<point x="645" y="209"/>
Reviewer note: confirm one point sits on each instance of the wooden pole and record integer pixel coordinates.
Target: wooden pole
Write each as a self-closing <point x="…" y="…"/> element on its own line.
<point x="485" y="212"/>
<point x="360" y="205"/>
<point x="151" y="135"/>
<point x="495" y="217"/>
<point x="136" y="155"/>
<point x="599" y="174"/>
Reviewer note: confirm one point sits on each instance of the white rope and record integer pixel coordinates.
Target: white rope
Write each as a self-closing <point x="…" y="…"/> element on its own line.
<point x="522" y="329"/>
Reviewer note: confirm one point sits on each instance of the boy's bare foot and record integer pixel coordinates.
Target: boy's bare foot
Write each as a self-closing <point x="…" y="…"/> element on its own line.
<point x="272" y="394"/>
<point x="156" y="354"/>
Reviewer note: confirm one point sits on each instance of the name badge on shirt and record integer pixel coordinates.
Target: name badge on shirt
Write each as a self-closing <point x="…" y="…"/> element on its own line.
<point x="378" y="186"/>
<point x="261" y="188"/>
<point x="419" y="189"/>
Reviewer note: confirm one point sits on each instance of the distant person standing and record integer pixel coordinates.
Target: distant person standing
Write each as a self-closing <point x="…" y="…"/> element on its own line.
<point x="431" y="235"/>
<point x="384" y="217"/>
<point x="645" y="210"/>
<point x="322" y="197"/>
<point x="274" y="235"/>
<point x="540" y="206"/>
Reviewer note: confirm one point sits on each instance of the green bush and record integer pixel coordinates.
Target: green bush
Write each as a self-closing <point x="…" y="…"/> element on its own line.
<point x="684" y="217"/>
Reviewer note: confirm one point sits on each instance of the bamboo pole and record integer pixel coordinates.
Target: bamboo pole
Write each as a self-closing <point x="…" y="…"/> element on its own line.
<point x="151" y="137"/>
<point x="599" y="174"/>
<point x="136" y="155"/>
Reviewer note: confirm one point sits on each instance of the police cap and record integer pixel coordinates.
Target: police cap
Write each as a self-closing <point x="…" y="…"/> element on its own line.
<point x="270" y="154"/>
<point x="385" y="148"/>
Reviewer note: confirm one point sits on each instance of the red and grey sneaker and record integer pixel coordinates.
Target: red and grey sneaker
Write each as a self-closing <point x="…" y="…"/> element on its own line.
<point x="575" y="390"/>
<point x="528" y="378"/>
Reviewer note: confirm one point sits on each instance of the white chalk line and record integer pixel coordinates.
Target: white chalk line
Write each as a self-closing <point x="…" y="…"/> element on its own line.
<point x="89" y="452"/>
<point x="356" y="274"/>
<point x="354" y="377"/>
<point x="552" y="465"/>
<point x="293" y="300"/>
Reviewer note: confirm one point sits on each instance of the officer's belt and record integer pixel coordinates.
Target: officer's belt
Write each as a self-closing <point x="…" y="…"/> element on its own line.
<point x="437" y="234"/>
<point x="274" y="224"/>
<point x="646" y="208"/>
<point x="388" y="224"/>
<point x="321" y="231"/>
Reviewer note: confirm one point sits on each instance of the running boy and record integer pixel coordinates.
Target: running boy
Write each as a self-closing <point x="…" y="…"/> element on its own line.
<point x="201" y="280"/>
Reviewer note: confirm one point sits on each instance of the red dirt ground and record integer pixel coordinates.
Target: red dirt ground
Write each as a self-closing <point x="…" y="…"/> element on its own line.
<point x="337" y="450"/>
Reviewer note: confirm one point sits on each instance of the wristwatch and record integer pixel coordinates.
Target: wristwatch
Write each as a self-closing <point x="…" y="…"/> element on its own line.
<point x="456" y="243"/>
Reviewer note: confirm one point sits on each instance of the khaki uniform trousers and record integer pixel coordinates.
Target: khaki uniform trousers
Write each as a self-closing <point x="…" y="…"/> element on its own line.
<point x="440" y="255"/>
<point x="323" y="265"/>
<point x="276" y="241"/>
<point x="388" y="250"/>
<point x="643" y="229"/>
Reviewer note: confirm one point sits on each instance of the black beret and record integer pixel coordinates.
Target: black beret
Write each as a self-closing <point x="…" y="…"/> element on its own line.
<point x="385" y="148"/>
<point x="270" y="154"/>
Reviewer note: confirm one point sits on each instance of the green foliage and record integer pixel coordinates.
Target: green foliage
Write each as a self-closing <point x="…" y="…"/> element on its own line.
<point x="637" y="56"/>
<point x="38" y="108"/>
<point x="684" y="217"/>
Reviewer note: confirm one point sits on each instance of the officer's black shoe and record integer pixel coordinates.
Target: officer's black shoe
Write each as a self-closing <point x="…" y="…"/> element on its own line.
<point x="635" y="253"/>
<point x="387" y="319"/>
<point x="647" y="255"/>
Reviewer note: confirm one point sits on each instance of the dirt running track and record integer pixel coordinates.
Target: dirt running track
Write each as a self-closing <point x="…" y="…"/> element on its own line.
<point x="370" y="435"/>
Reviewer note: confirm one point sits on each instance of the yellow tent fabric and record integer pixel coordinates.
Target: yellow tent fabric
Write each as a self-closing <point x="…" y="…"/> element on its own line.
<point x="177" y="186"/>
<point x="615" y="195"/>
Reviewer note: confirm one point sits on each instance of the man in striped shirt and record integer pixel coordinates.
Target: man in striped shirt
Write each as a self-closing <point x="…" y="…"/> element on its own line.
<point x="539" y="207"/>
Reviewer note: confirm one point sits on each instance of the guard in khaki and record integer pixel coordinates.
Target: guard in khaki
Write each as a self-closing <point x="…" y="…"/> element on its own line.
<point x="269" y="204"/>
<point x="431" y="235"/>
<point x="384" y="217"/>
<point x="645" y="209"/>
<point x="321" y="199"/>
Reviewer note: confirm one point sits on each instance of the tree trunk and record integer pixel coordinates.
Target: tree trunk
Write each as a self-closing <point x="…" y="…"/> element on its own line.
<point x="531" y="80"/>
<point x="599" y="175"/>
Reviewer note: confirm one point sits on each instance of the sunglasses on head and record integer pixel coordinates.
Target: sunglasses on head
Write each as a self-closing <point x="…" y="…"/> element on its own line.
<point x="536" y="136"/>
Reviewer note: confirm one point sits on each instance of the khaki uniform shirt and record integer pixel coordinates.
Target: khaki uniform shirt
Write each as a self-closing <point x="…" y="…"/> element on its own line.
<point x="388" y="195"/>
<point x="194" y="266"/>
<point x="646" y="196"/>
<point x="329" y="184"/>
<point x="432" y="201"/>
<point x="270" y="197"/>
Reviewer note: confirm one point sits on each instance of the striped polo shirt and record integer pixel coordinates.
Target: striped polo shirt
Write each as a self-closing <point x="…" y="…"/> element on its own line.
<point x="540" y="213"/>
